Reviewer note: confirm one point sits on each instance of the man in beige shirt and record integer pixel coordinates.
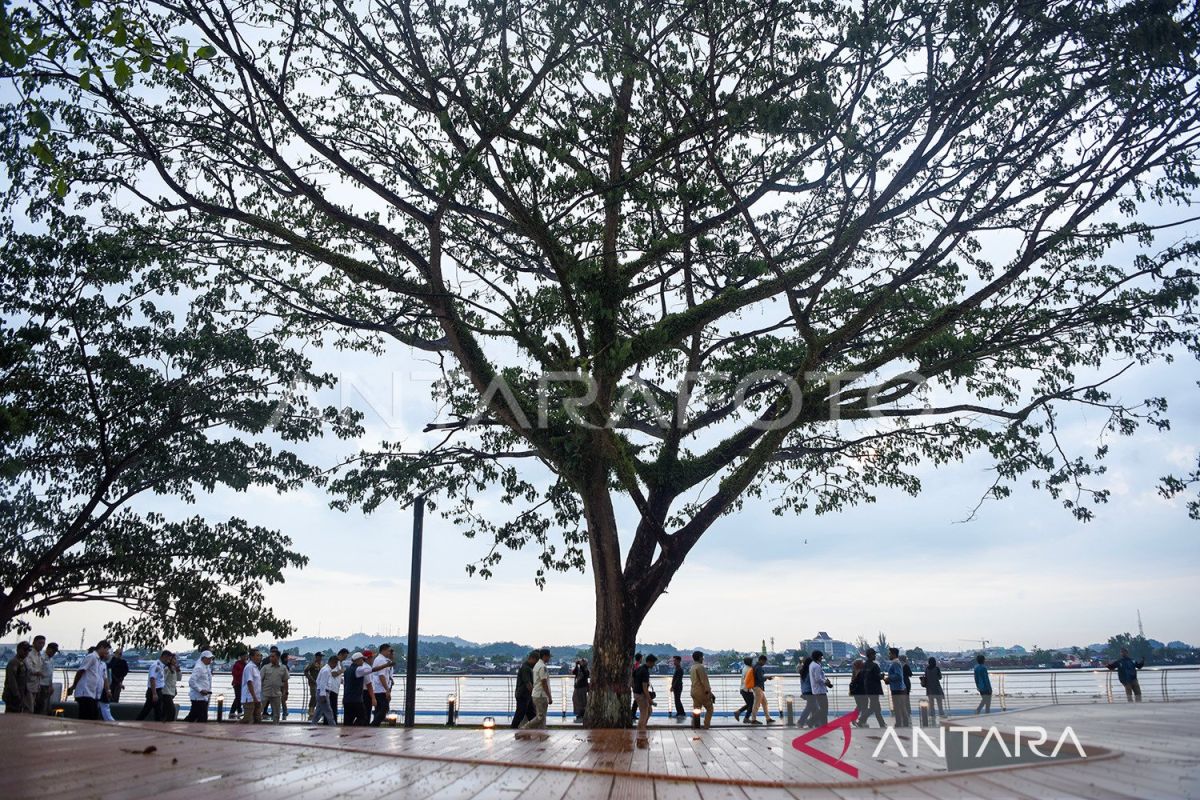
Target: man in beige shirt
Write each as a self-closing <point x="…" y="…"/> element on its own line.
<point x="274" y="686"/>
<point x="702" y="693"/>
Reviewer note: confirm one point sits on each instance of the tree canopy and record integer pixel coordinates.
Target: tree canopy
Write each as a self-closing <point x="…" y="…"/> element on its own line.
<point x="677" y="256"/>
<point x="124" y="377"/>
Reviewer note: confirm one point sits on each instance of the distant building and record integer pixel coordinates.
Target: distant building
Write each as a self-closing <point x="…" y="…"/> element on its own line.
<point x="832" y="648"/>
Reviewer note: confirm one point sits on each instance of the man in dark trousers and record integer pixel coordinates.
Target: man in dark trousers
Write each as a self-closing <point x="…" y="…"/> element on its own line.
<point x="311" y="671"/>
<point x="677" y="686"/>
<point x="1126" y="669"/>
<point x="637" y="664"/>
<point x="872" y="691"/>
<point x="579" y="696"/>
<point x="898" y="686"/>
<point x="524" y="691"/>
<point x="239" y="668"/>
<point x="155" y="680"/>
<point x="353" y="680"/>
<point x="983" y="683"/>
<point x="641" y="691"/>
<point x="343" y="657"/>
<point x="119" y="668"/>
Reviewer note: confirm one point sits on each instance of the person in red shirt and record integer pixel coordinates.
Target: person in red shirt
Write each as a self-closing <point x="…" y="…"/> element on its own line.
<point x="239" y="667"/>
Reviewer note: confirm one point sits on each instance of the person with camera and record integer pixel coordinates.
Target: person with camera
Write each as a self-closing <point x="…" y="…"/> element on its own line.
<point x="579" y="696"/>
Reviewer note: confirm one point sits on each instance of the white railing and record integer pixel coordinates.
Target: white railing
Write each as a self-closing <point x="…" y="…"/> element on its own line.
<point x="477" y="696"/>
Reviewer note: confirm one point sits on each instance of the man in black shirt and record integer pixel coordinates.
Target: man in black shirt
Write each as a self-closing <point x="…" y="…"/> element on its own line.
<point x="579" y="697"/>
<point x="352" y="692"/>
<point x="873" y="690"/>
<point x="119" y="668"/>
<point x="524" y="692"/>
<point x="641" y="691"/>
<point x="677" y="686"/>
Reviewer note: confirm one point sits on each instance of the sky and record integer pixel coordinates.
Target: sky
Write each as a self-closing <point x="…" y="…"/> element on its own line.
<point x="1023" y="571"/>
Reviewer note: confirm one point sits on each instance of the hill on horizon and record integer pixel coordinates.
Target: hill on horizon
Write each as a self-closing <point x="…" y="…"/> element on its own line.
<point x="447" y="646"/>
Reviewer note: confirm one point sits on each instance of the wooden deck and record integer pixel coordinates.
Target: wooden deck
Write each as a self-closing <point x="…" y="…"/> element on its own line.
<point x="1152" y="750"/>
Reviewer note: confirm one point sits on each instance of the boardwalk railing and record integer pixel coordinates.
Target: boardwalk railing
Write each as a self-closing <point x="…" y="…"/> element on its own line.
<point x="479" y="696"/>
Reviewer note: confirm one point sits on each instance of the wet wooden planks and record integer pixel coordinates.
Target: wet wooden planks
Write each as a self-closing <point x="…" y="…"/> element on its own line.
<point x="674" y="763"/>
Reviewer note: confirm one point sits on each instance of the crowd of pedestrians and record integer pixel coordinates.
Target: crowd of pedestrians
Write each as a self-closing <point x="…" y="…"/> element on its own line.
<point x="362" y="682"/>
<point x="28" y="677"/>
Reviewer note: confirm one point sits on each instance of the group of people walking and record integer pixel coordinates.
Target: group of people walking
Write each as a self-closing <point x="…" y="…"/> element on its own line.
<point x="29" y="677"/>
<point x="533" y="694"/>
<point x="361" y="681"/>
<point x="260" y="685"/>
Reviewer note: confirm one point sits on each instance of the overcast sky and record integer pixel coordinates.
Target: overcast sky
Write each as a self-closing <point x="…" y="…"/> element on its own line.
<point x="1022" y="572"/>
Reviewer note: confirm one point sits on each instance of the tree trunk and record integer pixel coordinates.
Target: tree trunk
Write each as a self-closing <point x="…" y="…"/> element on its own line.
<point x="610" y="695"/>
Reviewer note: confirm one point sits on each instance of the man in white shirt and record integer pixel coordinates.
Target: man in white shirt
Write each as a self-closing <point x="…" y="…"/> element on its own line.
<point x="47" y="690"/>
<point x="155" y="678"/>
<point x="541" y="690"/>
<point x="820" y="688"/>
<point x="252" y="707"/>
<point x="322" y="712"/>
<point x="36" y="666"/>
<point x="335" y="683"/>
<point x="381" y="683"/>
<point x="200" y="688"/>
<point x="91" y="681"/>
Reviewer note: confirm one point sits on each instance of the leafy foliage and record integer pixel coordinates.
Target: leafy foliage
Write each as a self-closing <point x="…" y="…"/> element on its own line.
<point x="123" y="376"/>
<point x="1173" y="485"/>
<point x="1139" y="648"/>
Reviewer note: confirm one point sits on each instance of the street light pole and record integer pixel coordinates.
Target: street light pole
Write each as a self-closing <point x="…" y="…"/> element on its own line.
<point x="414" y="607"/>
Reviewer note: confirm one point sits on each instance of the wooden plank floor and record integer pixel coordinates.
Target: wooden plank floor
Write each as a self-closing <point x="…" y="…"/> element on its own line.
<point x="1152" y="751"/>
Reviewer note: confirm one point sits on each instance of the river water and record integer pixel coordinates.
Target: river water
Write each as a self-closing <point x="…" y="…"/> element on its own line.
<point x="479" y="696"/>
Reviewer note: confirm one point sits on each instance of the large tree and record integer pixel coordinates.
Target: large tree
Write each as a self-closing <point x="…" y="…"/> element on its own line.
<point x="123" y="376"/>
<point x="675" y="256"/>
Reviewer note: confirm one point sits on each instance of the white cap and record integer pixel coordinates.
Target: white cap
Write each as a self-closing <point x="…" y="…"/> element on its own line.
<point x="355" y="656"/>
<point x="206" y="654"/>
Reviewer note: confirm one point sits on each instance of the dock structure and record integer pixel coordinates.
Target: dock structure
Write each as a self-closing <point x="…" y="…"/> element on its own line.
<point x="1132" y="751"/>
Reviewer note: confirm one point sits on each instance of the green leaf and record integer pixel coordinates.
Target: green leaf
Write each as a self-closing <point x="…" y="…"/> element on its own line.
<point x="14" y="57"/>
<point x="122" y="74"/>
<point x="42" y="151"/>
<point x="39" y="120"/>
<point x="205" y="51"/>
<point x="177" y="62"/>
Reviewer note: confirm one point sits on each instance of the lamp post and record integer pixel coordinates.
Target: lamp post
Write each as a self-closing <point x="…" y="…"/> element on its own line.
<point x="695" y="717"/>
<point x="451" y="703"/>
<point x="220" y="707"/>
<point x="414" y="607"/>
<point x="790" y="702"/>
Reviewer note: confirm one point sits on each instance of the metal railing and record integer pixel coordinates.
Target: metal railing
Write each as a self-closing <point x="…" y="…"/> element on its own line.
<point x="478" y="696"/>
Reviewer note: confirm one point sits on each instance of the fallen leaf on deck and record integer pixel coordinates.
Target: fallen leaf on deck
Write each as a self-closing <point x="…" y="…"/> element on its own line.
<point x="149" y="749"/>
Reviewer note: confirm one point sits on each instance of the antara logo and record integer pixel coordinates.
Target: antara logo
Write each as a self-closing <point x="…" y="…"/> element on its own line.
<point x="1032" y="736"/>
